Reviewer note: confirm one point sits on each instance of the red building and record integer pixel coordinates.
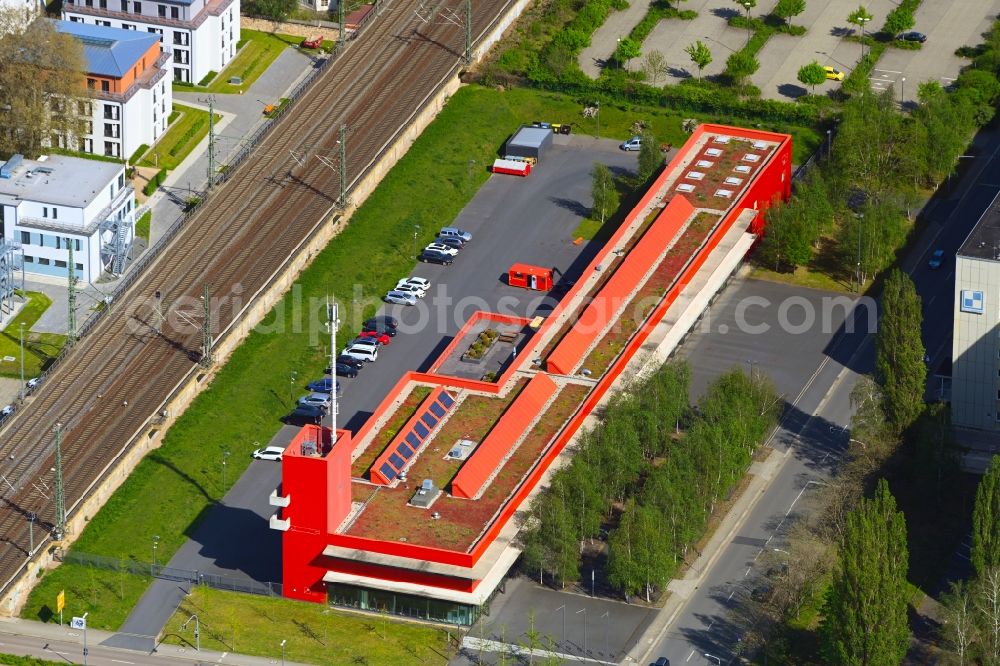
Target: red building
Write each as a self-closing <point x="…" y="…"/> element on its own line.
<point x="412" y="514"/>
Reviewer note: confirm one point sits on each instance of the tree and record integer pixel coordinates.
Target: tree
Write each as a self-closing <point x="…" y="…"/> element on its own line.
<point x="946" y="124"/>
<point x="740" y="65"/>
<point x="654" y="65"/>
<point x="987" y="602"/>
<point x="786" y="9"/>
<point x="650" y="157"/>
<point x="860" y="17"/>
<point x="899" y="351"/>
<point x="812" y="74"/>
<point x="276" y="10"/>
<point x="700" y="55"/>
<point x="604" y="192"/>
<point x="986" y="521"/>
<point x="959" y="627"/>
<point x="865" y="618"/>
<point x="627" y="50"/>
<point x="787" y="241"/>
<point x="42" y="85"/>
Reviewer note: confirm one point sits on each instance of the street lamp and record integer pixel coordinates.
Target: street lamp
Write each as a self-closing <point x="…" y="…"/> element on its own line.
<point x="197" y="631"/>
<point x="584" y="611"/>
<point x="748" y="6"/>
<point x="225" y="458"/>
<point x="902" y="92"/>
<point x="291" y="386"/>
<point x="283" y="652"/>
<point x="618" y="53"/>
<point x="863" y="20"/>
<point x="416" y="232"/>
<point x="156" y="541"/>
<point x="750" y="363"/>
<point x="597" y="104"/>
<point x="829" y="143"/>
<point x="712" y="656"/>
<point x="563" y="609"/>
<point x="21" y="393"/>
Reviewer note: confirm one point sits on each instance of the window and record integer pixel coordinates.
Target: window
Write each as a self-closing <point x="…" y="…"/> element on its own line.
<point x="104" y="4"/>
<point x="110" y="149"/>
<point x="111" y="130"/>
<point x="60" y="263"/>
<point x="162" y="11"/>
<point x="137" y="7"/>
<point x="76" y="248"/>
<point x="105" y="86"/>
<point x="43" y="261"/>
<point x="29" y="259"/>
<point x="45" y="211"/>
<point x="74" y="19"/>
<point x="111" y="112"/>
<point x="89" y="3"/>
<point x="124" y="5"/>
<point x="121" y="180"/>
<point x="55" y="213"/>
<point x="59" y="243"/>
<point x="79" y="267"/>
<point x="181" y="56"/>
<point x="175" y="13"/>
<point x="25" y="238"/>
<point x="181" y="38"/>
<point x="91" y="85"/>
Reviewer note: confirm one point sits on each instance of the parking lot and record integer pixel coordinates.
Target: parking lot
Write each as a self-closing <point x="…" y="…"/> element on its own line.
<point x="512" y="219"/>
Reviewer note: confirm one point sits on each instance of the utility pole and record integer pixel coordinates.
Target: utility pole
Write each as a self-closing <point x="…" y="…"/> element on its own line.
<point x="468" y="32"/>
<point x="206" y="333"/>
<point x="333" y="320"/>
<point x="71" y="293"/>
<point x="21" y="391"/>
<point x="60" y="530"/>
<point x="341" y="39"/>
<point x="342" y="203"/>
<point x="211" y="142"/>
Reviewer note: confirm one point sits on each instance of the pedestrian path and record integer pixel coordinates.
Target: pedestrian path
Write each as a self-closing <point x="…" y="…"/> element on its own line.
<point x="604" y="41"/>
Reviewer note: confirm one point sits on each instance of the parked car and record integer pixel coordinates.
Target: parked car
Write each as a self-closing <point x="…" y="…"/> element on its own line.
<point x="377" y="328"/>
<point x="442" y="248"/>
<point x="362" y="353"/>
<point x="400" y="298"/>
<point x="432" y="257"/>
<point x="305" y="414"/>
<point x="635" y="143"/>
<point x="413" y="290"/>
<point x="423" y="283"/>
<point x="31" y="384"/>
<point x="455" y="232"/>
<point x="833" y="74"/>
<point x="451" y="241"/>
<point x="324" y="385"/>
<point x="381" y="338"/>
<point x="269" y="453"/>
<point x="321" y="400"/>
<point x="345" y="370"/>
<point x="912" y="37"/>
<point x="937" y="258"/>
<point x="387" y="321"/>
<point x="6" y="411"/>
<point x="662" y="661"/>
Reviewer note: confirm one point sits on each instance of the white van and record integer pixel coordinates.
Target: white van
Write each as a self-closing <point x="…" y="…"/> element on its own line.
<point x="362" y="352"/>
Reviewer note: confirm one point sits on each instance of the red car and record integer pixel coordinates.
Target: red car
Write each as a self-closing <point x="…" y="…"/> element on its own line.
<point x="313" y="43"/>
<point x="380" y="338"/>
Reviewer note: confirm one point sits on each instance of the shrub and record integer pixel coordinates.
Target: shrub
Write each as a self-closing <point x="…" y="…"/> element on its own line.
<point x="137" y="155"/>
<point x="572" y="39"/>
<point x="208" y="78"/>
<point x="907" y="46"/>
<point x="179" y="146"/>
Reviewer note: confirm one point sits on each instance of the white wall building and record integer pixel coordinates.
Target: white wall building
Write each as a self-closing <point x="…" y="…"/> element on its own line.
<point x="200" y="34"/>
<point x="129" y="86"/>
<point x="60" y="202"/>
<point x="975" y="381"/>
<point x="30" y="9"/>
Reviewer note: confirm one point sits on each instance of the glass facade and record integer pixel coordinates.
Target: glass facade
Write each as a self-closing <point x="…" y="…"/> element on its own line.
<point x="402" y="604"/>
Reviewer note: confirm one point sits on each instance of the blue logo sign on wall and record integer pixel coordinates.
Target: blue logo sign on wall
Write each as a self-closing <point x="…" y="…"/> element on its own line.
<point x="972" y="301"/>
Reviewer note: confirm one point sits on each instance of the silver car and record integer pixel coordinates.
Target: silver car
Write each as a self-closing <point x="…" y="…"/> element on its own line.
<point x="400" y="298"/>
<point x="316" y="400"/>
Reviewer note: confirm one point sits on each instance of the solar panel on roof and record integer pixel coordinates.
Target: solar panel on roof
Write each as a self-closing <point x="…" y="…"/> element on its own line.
<point x="387" y="471"/>
<point x="413" y="440"/>
<point x="396" y="461"/>
<point x="404" y="450"/>
<point x="421" y="430"/>
<point x="446" y="399"/>
<point x="429" y="419"/>
<point x="438" y="410"/>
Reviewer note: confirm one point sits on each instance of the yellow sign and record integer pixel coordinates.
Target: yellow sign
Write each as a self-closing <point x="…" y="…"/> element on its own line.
<point x="60" y="601"/>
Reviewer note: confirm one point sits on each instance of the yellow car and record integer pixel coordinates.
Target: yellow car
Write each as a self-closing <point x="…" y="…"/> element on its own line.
<point x="833" y="74"/>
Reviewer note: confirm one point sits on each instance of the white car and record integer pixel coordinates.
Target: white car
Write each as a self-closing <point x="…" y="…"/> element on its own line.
<point x="316" y="400"/>
<point x="443" y="249"/>
<point x="31" y="385"/>
<point x="362" y="353"/>
<point x="269" y="453"/>
<point x="413" y="289"/>
<point x="6" y="411"/>
<point x="423" y="283"/>
<point x="400" y="298"/>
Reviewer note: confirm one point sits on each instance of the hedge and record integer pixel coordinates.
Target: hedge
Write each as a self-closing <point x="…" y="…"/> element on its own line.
<point x="208" y="78"/>
<point x="137" y="155"/>
<point x="179" y="146"/>
<point x="154" y="182"/>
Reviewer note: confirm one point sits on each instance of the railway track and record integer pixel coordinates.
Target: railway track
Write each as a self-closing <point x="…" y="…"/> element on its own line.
<point x="105" y="391"/>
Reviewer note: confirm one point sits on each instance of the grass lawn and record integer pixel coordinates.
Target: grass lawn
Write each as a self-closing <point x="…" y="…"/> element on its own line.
<point x="174" y="485"/>
<point x="39" y="348"/>
<point x="803" y="277"/>
<point x="16" y="660"/>
<point x="257" y="51"/>
<point x="587" y="229"/>
<point x="180" y="139"/>
<point x="142" y="225"/>
<point x="232" y="622"/>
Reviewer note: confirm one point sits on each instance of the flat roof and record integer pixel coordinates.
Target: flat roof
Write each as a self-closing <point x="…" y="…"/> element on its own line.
<point x="983" y="242"/>
<point x="59" y="180"/>
<point x="109" y="51"/>
<point x="530" y="136"/>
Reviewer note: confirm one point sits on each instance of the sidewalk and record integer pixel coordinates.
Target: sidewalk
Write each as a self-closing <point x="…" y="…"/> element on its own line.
<point x="604" y="41"/>
<point x="96" y="638"/>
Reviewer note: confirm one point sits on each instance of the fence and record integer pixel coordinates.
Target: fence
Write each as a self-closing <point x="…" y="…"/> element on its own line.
<point x="194" y="577"/>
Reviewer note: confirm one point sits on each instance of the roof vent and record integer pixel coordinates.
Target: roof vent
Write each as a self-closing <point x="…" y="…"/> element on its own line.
<point x="427" y="484"/>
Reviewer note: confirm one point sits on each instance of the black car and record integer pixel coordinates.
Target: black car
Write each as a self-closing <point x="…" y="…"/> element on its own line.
<point x="382" y="320"/>
<point x="305" y="414"/>
<point x="344" y="359"/>
<point x="344" y="370"/>
<point x="434" y="257"/>
<point x="913" y="37"/>
<point x="378" y="327"/>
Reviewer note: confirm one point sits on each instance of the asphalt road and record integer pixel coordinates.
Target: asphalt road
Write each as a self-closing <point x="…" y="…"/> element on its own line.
<point x="812" y="435"/>
<point x="512" y="219"/>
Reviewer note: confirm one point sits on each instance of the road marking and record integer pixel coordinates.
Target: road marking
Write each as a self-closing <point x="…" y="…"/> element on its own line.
<point x="730" y="595"/>
<point x="758" y="554"/>
<point x="222" y="657"/>
<point x="768" y="539"/>
<point x="891" y="71"/>
<point x="690" y="655"/>
<point x="119" y="661"/>
<point x="747" y="573"/>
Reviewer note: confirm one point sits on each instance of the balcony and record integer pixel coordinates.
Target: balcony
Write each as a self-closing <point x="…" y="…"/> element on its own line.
<point x="277" y="524"/>
<point x="277" y="500"/>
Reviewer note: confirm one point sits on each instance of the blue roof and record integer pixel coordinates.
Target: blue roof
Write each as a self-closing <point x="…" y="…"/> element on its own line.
<point x="109" y="51"/>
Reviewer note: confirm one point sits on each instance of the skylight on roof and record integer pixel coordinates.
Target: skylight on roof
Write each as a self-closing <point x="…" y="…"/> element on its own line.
<point x="722" y="138"/>
<point x="694" y="175"/>
<point x="685" y="187"/>
<point x="750" y="157"/>
<point x="713" y="152"/>
<point x="704" y="164"/>
<point x="741" y="168"/>
<point x="725" y="194"/>
<point x="760" y="145"/>
<point x="733" y="180"/>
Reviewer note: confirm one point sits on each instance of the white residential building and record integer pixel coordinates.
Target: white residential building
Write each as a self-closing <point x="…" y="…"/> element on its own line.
<point x="131" y="96"/>
<point x="50" y="205"/>
<point x="200" y="34"/>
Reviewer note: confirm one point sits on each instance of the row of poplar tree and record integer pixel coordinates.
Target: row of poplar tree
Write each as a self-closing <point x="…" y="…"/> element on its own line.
<point x="649" y="476"/>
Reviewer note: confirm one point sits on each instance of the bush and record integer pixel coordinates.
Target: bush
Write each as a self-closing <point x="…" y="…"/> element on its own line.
<point x="154" y="182"/>
<point x="907" y="46"/>
<point x="208" y="78"/>
<point x="137" y="155"/>
<point x="179" y="146"/>
<point x="970" y="51"/>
